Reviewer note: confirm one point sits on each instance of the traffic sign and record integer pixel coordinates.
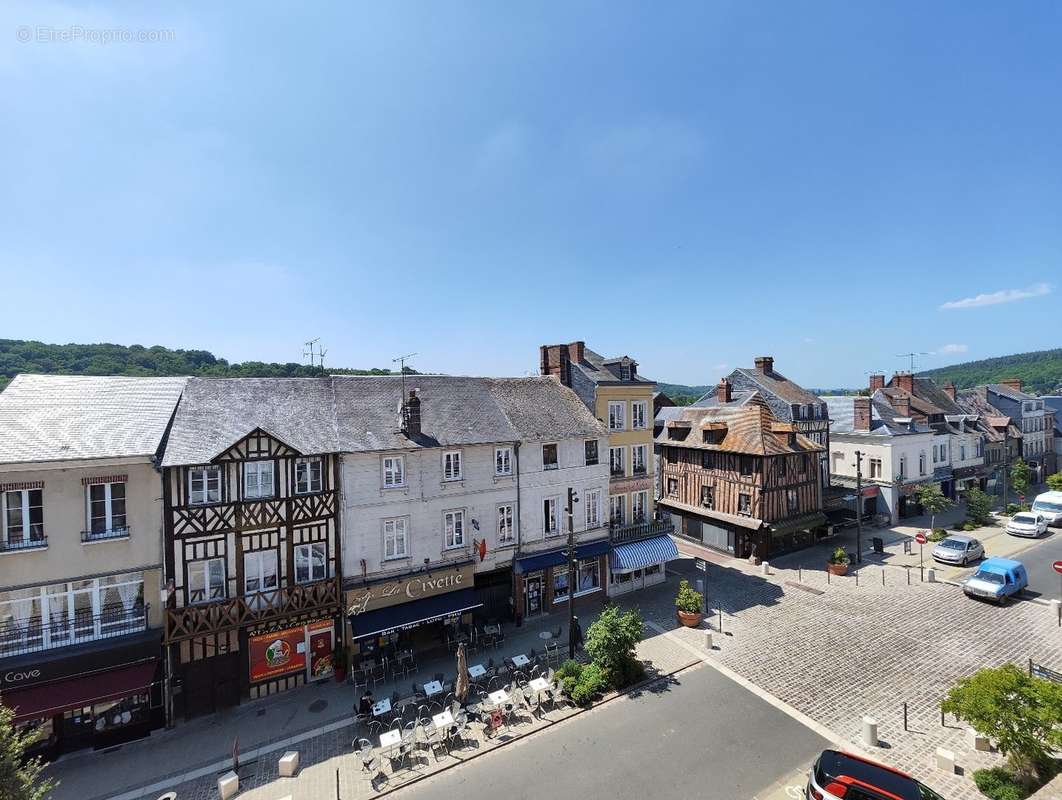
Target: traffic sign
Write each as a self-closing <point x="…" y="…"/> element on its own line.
<point x="1058" y="567"/>
<point x="920" y="537"/>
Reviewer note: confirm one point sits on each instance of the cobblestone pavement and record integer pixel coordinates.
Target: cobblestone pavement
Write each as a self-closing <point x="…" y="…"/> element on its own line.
<point x="836" y="651"/>
<point x="328" y="758"/>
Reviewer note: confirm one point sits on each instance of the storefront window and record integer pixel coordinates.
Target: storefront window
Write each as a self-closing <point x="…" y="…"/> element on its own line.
<point x="588" y="575"/>
<point x="560" y="584"/>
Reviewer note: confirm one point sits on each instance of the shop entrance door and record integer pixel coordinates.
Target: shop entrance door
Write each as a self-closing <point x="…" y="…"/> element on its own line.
<point x="533" y="584"/>
<point x="320" y="664"/>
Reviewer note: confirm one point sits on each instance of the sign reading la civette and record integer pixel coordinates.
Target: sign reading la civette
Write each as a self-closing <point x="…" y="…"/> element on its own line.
<point x="408" y="587"/>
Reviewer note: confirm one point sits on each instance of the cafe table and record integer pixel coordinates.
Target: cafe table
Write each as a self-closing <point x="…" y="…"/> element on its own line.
<point x="520" y="660"/>
<point x="391" y="738"/>
<point x="443" y="720"/>
<point x="499" y="697"/>
<point x="539" y="685"/>
<point x="433" y="688"/>
<point x="382" y="707"/>
<point x="476" y="671"/>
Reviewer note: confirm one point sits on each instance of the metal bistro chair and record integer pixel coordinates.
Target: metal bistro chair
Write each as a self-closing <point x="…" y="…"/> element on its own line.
<point x="379" y="674"/>
<point x="360" y="679"/>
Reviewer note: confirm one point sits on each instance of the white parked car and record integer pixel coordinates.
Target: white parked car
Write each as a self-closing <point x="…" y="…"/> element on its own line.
<point x="958" y="549"/>
<point x="1049" y="506"/>
<point x="1027" y="524"/>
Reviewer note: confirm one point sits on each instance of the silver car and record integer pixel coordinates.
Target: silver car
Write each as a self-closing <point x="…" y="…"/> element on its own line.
<point x="958" y="549"/>
<point x="1026" y="524"/>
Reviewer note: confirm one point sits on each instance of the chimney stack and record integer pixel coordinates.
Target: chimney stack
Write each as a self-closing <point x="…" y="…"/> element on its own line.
<point x="725" y="391"/>
<point x="861" y="414"/>
<point x="576" y="351"/>
<point x="902" y="404"/>
<point x="876" y="382"/>
<point x="1012" y="383"/>
<point x="411" y="415"/>
<point x="949" y="389"/>
<point x="554" y="360"/>
<point x="765" y="364"/>
<point x="905" y="381"/>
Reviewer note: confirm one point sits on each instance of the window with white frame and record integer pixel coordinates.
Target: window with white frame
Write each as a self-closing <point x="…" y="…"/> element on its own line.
<point x="617" y="509"/>
<point x="452" y="465"/>
<point x="106" y="508"/>
<point x="592" y="498"/>
<point x="309" y="475"/>
<point x="506" y="531"/>
<point x="922" y="463"/>
<point x="454" y="527"/>
<point x="549" y="516"/>
<point x="257" y="479"/>
<point x="396" y="538"/>
<point x="639" y="506"/>
<point x="875" y="467"/>
<point x="616" y="416"/>
<point x="206" y="580"/>
<point x="311" y="562"/>
<point x="503" y="461"/>
<point x="394" y="472"/>
<point x="615" y="460"/>
<point x="549" y="456"/>
<point x="204" y="485"/>
<point x="23" y="515"/>
<point x="639" y="415"/>
<point x="639" y="458"/>
<point x="259" y="573"/>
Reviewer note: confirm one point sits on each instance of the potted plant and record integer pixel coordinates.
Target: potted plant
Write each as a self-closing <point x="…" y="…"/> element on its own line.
<point x="838" y="562"/>
<point x="688" y="605"/>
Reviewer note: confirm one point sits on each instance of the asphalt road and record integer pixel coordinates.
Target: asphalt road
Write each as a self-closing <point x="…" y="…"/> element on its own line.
<point x="703" y="736"/>
<point x="1043" y="580"/>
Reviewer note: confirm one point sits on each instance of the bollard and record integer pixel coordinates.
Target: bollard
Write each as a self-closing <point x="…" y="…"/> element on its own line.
<point x="707" y="640"/>
<point x="945" y="760"/>
<point x="908" y="576"/>
<point x="883" y="576"/>
<point x="765" y="568"/>
<point x="228" y="785"/>
<point x="905" y="716"/>
<point x="931" y="575"/>
<point x="976" y="741"/>
<point x="857" y="577"/>
<point x="1056" y="606"/>
<point x="870" y="731"/>
<point x="800" y="574"/>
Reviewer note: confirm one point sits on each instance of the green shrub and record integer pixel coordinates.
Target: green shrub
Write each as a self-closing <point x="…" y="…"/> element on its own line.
<point x="958" y="526"/>
<point x="999" y="784"/>
<point x="839" y="556"/>
<point x="969" y="526"/>
<point x="1012" y="508"/>
<point x="591" y="683"/>
<point x="938" y="534"/>
<point x="568" y="668"/>
<point x="978" y="506"/>
<point x="688" y="600"/>
<point x="611" y="640"/>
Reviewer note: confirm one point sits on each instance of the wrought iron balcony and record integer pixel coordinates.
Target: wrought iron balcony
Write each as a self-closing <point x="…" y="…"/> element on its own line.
<point x="28" y="636"/>
<point x="635" y="530"/>
<point x="107" y="535"/>
<point x="37" y="541"/>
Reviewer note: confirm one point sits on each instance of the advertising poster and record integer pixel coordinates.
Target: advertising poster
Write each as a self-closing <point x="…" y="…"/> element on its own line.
<point x="277" y="653"/>
<point x="322" y="663"/>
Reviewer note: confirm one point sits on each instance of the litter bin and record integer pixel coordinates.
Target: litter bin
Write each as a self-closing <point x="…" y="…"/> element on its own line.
<point x="879" y="544"/>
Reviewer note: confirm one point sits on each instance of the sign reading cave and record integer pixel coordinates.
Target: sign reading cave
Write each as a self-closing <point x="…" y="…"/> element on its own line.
<point x="408" y="587"/>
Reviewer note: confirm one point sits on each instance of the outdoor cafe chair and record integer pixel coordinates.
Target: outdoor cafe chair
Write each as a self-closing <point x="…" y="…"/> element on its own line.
<point x="360" y="679"/>
<point x="374" y="727"/>
<point x="556" y="632"/>
<point x="379" y="674"/>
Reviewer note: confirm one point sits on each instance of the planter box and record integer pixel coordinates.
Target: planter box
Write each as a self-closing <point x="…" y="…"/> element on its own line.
<point x="837" y="569"/>
<point x="689" y="619"/>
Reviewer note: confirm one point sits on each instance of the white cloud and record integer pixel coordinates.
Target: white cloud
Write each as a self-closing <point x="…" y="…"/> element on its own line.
<point x="947" y="349"/>
<point x="1002" y="296"/>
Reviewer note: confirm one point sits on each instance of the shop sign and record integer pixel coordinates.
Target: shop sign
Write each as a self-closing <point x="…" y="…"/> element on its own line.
<point x="408" y="587"/>
<point x="60" y="663"/>
<point x="285" y="651"/>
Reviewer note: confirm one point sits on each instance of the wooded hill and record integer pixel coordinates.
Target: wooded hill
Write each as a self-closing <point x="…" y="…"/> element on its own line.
<point x="1040" y="371"/>
<point x="17" y="355"/>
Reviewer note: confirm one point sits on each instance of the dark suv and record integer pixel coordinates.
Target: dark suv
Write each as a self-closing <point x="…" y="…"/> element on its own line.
<point x="843" y="776"/>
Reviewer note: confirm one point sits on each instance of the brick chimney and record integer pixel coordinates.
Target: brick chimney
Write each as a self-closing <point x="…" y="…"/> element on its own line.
<point x="576" y="351"/>
<point x="905" y="381"/>
<point x="725" y="393"/>
<point x="765" y="364"/>
<point x="1012" y="383"/>
<point x="554" y="359"/>
<point x="949" y="389"/>
<point x="411" y="415"/>
<point x="861" y="414"/>
<point x="876" y="382"/>
<point x="902" y="404"/>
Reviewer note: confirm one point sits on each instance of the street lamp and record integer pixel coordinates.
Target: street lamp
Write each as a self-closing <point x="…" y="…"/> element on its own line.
<point x="859" y="506"/>
<point x="572" y="500"/>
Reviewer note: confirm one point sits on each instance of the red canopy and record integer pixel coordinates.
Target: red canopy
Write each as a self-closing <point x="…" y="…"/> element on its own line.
<point x="55" y="698"/>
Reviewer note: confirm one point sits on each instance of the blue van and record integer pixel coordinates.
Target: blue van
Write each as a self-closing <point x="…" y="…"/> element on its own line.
<point x="997" y="579"/>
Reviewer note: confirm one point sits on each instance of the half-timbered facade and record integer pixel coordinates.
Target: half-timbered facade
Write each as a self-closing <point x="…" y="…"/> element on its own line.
<point x="252" y="544"/>
<point x="741" y="481"/>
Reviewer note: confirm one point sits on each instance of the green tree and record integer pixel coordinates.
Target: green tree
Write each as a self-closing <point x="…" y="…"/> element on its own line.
<point x="932" y="500"/>
<point x="978" y="506"/>
<point x="610" y="642"/>
<point x="1054" y="482"/>
<point x="20" y="778"/>
<point x="1021" y="714"/>
<point x="1019" y="477"/>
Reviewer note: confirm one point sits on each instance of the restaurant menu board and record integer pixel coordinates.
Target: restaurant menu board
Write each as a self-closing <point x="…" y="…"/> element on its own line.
<point x="277" y="653"/>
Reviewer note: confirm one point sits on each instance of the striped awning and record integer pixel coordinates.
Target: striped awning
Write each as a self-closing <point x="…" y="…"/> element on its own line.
<point x="638" y="555"/>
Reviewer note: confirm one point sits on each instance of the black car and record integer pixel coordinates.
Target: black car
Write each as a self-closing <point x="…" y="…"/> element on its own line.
<point x="843" y="776"/>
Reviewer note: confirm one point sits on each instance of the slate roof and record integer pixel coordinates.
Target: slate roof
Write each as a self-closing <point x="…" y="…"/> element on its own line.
<point x="927" y="389"/>
<point x="779" y="385"/>
<point x="598" y="369"/>
<point x="882" y="417"/>
<point x="990" y="418"/>
<point x="1054" y="402"/>
<point x="68" y="417"/>
<point x="751" y="430"/>
<point x="1012" y="394"/>
<point x="738" y="397"/>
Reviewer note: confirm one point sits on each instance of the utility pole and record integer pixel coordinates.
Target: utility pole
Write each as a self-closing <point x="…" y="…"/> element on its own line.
<point x="859" y="506"/>
<point x="572" y="500"/>
<point x="1006" y="430"/>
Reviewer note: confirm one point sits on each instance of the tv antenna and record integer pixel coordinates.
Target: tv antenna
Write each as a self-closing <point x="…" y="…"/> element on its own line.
<point x="314" y="355"/>
<point x="401" y="361"/>
<point x="912" y="357"/>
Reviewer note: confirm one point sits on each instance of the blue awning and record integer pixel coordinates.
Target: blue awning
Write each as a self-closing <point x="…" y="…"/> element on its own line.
<point x="638" y="555"/>
<point x="555" y="558"/>
<point x="410" y="615"/>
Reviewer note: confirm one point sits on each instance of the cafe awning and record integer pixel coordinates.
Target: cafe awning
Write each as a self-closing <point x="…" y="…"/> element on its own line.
<point x="49" y="699"/>
<point x="555" y="558"/>
<point x="413" y="614"/>
<point x="638" y="555"/>
<point x="801" y="523"/>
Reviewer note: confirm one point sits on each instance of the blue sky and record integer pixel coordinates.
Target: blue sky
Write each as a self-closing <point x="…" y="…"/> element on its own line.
<point x="692" y="184"/>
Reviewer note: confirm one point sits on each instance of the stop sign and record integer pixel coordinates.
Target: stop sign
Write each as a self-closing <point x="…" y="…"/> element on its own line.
<point x="1058" y="567"/>
<point x="921" y="538"/>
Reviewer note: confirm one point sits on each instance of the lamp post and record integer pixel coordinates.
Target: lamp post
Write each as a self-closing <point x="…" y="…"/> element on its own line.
<point x="572" y="500"/>
<point x="859" y="506"/>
